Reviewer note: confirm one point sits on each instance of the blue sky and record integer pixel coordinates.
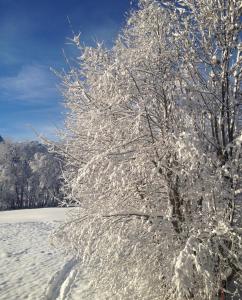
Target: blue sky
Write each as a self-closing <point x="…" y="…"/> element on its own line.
<point x="32" y="36"/>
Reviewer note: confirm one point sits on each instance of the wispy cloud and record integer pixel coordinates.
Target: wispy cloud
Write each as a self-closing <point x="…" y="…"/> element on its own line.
<point x="32" y="83"/>
<point x="31" y="131"/>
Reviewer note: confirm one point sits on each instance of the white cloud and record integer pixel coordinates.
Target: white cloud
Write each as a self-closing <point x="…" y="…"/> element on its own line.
<point x="32" y="83"/>
<point x="23" y="131"/>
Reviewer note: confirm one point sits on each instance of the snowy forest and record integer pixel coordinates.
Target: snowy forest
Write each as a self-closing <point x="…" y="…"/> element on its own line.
<point x="30" y="176"/>
<point x="152" y="151"/>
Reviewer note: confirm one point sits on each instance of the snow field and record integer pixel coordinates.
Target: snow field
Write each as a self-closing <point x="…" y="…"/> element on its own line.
<point x="30" y="267"/>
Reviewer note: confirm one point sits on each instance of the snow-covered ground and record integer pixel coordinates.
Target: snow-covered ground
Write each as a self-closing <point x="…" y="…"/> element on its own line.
<point x="30" y="267"/>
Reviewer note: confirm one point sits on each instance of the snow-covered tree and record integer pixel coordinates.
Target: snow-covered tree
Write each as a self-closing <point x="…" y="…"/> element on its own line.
<point x="153" y="152"/>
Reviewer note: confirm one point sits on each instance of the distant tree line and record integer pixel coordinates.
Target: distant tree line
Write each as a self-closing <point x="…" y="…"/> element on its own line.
<point x="30" y="176"/>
